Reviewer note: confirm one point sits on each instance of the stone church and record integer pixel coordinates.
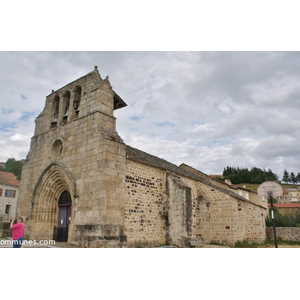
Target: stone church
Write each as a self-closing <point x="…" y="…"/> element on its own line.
<point x="82" y="184"/>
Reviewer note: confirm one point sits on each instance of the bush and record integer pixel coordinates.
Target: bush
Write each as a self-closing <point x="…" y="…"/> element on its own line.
<point x="291" y="220"/>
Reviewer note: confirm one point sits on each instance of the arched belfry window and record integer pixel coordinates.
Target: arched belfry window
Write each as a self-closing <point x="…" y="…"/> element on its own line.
<point x="55" y="110"/>
<point x="77" y="99"/>
<point x="66" y="104"/>
<point x="65" y="198"/>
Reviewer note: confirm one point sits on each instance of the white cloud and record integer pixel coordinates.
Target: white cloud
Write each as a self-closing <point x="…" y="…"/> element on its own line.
<point x="19" y="137"/>
<point x="16" y="146"/>
<point x="274" y="92"/>
<point x="206" y="109"/>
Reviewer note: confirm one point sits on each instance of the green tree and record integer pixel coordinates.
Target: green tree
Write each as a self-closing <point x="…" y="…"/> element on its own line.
<point x="257" y="175"/>
<point x="246" y="175"/>
<point x="243" y="175"/>
<point x="14" y="166"/>
<point x="270" y="176"/>
<point x="293" y="177"/>
<point x="235" y="178"/>
<point x="286" y="176"/>
<point x="227" y="171"/>
<point x="298" y="178"/>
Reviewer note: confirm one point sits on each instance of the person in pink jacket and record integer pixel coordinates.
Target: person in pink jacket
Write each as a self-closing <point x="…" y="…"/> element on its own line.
<point x="18" y="232"/>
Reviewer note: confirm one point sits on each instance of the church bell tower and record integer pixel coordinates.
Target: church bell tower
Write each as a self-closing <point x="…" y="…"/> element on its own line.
<point x="72" y="185"/>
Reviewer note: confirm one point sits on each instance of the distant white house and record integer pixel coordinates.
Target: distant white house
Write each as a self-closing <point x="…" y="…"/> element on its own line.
<point x="293" y="194"/>
<point x="290" y="195"/>
<point x="9" y="194"/>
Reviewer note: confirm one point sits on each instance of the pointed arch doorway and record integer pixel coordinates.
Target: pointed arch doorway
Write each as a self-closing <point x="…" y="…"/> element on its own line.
<point x="64" y="216"/>
<point x="55" y="188"/>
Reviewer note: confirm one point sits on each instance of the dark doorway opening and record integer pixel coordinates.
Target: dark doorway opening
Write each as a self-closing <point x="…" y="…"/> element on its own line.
<point x="64" y="216"/>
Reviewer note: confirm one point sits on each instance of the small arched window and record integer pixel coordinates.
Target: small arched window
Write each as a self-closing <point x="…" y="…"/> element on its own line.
<point x="55" y="110"/>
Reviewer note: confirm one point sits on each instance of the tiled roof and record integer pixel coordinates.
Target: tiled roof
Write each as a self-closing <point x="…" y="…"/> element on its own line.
<point x="9" y="178"/>
<point x="286" y="205"/>
<point x="292" y="190"/>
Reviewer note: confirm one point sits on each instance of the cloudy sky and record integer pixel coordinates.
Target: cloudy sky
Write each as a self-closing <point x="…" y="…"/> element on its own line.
<point x="206" y="109"/>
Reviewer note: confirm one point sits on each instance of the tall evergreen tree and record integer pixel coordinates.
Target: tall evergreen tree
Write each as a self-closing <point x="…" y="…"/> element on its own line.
<point x="298" y="178"/>
<point x="293" y="177"/>
<point x="270" y="176"/>
<point x="246" y="175"/>
<point x="243" y="175"/>
<point x="286" y="176"/>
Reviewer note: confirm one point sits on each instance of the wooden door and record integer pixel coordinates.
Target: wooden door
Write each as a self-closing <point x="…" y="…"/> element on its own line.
<point x="64" y="218"/>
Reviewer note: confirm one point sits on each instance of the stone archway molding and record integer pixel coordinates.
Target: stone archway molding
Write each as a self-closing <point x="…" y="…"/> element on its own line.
<point x="55" y="173"/>
<point x="53" y="181"/>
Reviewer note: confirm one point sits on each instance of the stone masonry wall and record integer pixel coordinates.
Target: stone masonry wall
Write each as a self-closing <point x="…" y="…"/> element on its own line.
<point x="222" y="218"/>
<point x="86" y="152"/>
<point x="286" y="233"/>
<point x="255" y="222"/>
<point x="215" y="217"/>
<point x="144" y="205"/>
<point x="163" y="207"/>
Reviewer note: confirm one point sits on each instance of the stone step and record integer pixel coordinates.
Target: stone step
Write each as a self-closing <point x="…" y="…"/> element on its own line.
<point x="196" y="243"/>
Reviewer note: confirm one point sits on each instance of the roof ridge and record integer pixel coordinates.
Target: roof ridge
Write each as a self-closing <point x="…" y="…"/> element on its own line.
<point x="155" y="161"/>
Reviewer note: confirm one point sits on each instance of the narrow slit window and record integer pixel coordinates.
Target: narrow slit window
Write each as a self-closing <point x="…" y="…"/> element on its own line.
<point x="7" y="208"/>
